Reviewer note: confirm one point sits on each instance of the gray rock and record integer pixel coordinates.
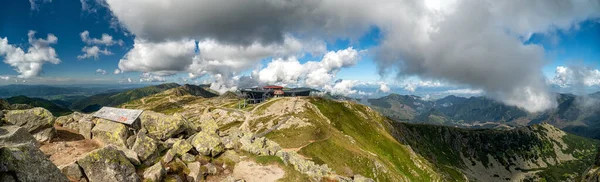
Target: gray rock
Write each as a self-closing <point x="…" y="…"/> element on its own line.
<point x="131" y="155"/>
<point x="45" y="135"/>
<point x="168" y="157"/>
<point x="72" y="171"/>
<point x="155" y="172"/>
<point x="211" y="169"/>
<point x="208" y="144"/>
<point x="171" y="141"/>
<point x="110" y="133"/>
<point x="85" y="128"/>
<point x="144" y="146"/>
<point x="131" y="141"/>
<point x="107" y="164"/>
<point x="196" y="173"/>
<point x="28" y="163"/>
<point x="188" y="157"/>
<point x="14" y="135"/>
<point x="34" y="120"/>
<point x="181" y="147"/>
<point x="161" y="126"/>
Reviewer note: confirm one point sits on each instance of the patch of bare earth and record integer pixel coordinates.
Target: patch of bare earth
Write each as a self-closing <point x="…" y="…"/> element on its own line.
<point x="253" y="172"/>
<point x="67" y="146"/>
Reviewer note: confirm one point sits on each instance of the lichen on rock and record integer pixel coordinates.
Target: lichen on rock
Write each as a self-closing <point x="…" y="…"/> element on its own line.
<point x="161" y="126"/>
<point x="108" y="164"/>
<point x="109" y="132"/>
<point x="207" y="143"/>
<point x="38" y="121"/>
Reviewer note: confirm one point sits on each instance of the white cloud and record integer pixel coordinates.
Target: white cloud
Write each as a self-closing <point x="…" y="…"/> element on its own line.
<point x="149" y="77"/>
<point x="34" y="3"/>
<point x="475" y="43"/>
<point x="105" y="40"/>
<point x="465" y="91"/>
<point x="315" y="74"/>
<point x="101" y="71"/>
<point x="412" y="85"/>
<point x="93" y="52"/>
<point x="344" y="87"/>
<point x="30" y="64"/>
<point x="4" y="77"/>
<point x="117" y="71"/>
<point x="383" y="87"/>
<point x="163" y="58"/>
<point x="575" y="76"/>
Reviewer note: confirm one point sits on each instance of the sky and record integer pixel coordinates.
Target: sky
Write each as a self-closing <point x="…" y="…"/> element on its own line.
<point x="517" y="52"/>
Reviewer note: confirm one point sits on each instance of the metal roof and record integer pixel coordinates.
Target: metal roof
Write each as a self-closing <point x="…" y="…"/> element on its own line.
<point x="125" y="116"/>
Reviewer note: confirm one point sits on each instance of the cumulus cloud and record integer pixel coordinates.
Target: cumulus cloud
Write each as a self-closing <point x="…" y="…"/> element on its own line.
<point x="383" y="87"/>
<point x="412" y="85"/>
<point x="29" y="64"/>
<point x="149" y="77"/>
<point x="101" y="71"/>
<point x="105" y="40"/>
<point x="92" y="49"/>
<point x="164" y="58"/>
<point x="315" y="74"/>
<point x="117" y="71"/>
<point x="575" y="76"/>
<point x="475" y="43"/>
<point x="344" y="87"/>
<point x="93" y="52"/>
<point x="4" y="77"/>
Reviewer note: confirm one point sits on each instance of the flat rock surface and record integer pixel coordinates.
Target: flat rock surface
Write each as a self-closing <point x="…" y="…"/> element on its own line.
<point x="253" y="172"/>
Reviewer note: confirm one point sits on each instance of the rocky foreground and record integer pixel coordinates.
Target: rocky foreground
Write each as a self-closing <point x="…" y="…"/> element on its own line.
<point x="164" y="148"/>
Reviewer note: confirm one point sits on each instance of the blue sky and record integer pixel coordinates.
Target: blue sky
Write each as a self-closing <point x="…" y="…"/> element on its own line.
<point x="578" y="43"/>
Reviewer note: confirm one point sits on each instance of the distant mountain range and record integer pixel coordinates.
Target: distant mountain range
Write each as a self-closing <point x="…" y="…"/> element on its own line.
<point x="95" y="102"/>
<point x="575" y="114"/>
<point x="38" y="102"/>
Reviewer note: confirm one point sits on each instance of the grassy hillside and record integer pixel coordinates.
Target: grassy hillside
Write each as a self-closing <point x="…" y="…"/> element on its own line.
<point x="354" y="139"/>
<point x="37" y="102"/>
<point x="115" y="99"/>
<point x="533" y="152"/>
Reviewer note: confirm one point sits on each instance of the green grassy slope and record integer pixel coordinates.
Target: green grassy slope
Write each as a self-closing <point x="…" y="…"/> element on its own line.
<point x="115" y="99"/>
<point x="37" y="102"/>
<point x="444" y="146"/>
<point x="357" y="141"/>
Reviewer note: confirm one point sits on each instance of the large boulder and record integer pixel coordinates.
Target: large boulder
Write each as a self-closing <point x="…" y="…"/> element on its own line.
<point x="108" y="164"/>
<point x="21" y="158"/>
<point x="38" y="121"/>
<point x="154" y="172"/>
<point x="208" y="143"/>
<point x="14" y="135"/>
<point x="145" y="146"/>
<point x="72" y="120"/>
<point x="25" y="162"/>
<point x="109" y="132"/>
<point x="259" y="146"/>
<point x="181" y="147"/>
<point x="196" y="172"/>
<point x="72" y="171"/>
<point x="161" y="126"/>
